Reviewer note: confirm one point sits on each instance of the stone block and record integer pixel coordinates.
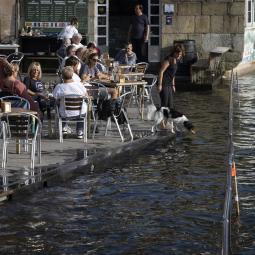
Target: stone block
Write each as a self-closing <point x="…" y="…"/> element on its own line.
<point x="214" y="8"/>
<point x="230" y="24"/>
<point x="181" y="24"/>
<point x="241" y="24"/>
<point x="168" y="39"/>
<point x="237" y="8"/>
<point x="202" y="24"/>
<point x="211" y="41"/>
<point x="238" y="42"/>
<point x="216" y="24"/>
<point x="233" y="56"/>
<point x="189" y="9"/>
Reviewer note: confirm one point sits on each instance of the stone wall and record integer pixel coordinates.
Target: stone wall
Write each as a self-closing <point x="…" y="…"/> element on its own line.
<point x="210" y="23"/>
<point x="7" y="20"/>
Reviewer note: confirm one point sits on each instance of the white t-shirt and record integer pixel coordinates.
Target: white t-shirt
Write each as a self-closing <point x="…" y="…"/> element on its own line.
<point x="68" y="32"/>
<point x="77" y="46"/>
<point x="72" y="88"/>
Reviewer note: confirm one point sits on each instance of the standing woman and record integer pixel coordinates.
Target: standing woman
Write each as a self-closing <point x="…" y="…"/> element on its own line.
<point x="69" y="30"/>
<point x="166" y="80"/>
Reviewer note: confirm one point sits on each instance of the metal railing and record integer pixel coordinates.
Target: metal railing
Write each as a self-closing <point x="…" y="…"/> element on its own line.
<point x="231" y="176"/>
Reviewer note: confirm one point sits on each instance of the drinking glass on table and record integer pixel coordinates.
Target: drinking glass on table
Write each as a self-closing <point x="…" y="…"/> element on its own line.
<point x="46" y="86"/>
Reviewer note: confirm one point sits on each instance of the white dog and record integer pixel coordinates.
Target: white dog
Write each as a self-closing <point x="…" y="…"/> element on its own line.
<point x="172" y="120"/>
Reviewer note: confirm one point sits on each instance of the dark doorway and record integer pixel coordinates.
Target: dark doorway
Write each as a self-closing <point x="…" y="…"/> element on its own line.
<point x="120" y="13"/>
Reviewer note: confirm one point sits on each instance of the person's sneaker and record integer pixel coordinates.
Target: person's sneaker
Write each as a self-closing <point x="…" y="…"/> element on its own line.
<point x="79" y="134"/>
<point x="66" y="130"/>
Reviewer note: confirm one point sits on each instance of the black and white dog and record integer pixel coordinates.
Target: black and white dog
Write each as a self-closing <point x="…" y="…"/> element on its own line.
<point x="172" y="120"/>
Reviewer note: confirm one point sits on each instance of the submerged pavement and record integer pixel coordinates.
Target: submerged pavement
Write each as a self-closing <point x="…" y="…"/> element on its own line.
<point x="72" y="157"/>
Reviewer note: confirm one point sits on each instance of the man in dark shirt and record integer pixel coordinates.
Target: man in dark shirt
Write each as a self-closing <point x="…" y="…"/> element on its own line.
<point x="138" y="33"/>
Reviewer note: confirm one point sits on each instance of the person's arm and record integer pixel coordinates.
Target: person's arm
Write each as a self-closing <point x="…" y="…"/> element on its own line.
<point x="163" y="68"/>
<point x="173" y="84"/>
<point x="147" y="32"/>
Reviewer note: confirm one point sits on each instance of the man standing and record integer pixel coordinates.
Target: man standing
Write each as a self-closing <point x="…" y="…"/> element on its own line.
<point x="138" y="33"/>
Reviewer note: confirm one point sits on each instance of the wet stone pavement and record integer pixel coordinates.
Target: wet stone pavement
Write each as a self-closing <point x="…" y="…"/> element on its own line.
<point x="65" y="159"/>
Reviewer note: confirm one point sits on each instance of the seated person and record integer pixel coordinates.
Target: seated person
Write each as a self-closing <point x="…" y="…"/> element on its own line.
<point x="62" y="50"/>
<point x="76" y="41"/>
<point x="11" y="86"/>
<point x="91" y="71"/>
<point x="79" y="53"/>
<point x="86" y="53"/>
<point x="69" y="86"/>
<point x="74" y="62"/>
<point x="70" y="51"/>
<point x="35" y="87"/>
<point x="126" y="56"/>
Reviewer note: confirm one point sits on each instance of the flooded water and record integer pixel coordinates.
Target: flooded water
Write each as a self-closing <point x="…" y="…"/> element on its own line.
<point x="244" y="123"/>
<point x="166" y="199"/>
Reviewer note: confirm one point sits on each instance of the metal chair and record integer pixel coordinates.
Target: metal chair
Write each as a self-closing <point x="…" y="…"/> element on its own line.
<point x="16" y="101"/>
<point x="73" y="104"/>
<point x="94" y="90"/>
<point x="15" y="57"/>
<point x="119" y="116"/>
<point x="151" y="81"/>
<point x="21" y="127"/>
<point x="141" y="67"/>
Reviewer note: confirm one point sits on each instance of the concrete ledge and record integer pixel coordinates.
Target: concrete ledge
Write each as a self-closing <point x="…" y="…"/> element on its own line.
<point x="241" y="69"/>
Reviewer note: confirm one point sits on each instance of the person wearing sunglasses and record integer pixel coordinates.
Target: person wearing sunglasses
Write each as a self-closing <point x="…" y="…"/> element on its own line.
<point x="91" y="70"/>
<point x="126" y="56"/>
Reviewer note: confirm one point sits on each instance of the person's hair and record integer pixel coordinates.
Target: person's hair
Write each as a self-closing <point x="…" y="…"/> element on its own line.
<point x="79" y="51"/>
<point x="74" y="21"/>
<point x="67" y="73"/>
<point x="177" y="49"/>
<point x="66" y="41"/>
<point x="9" y="69"/>
<point x="69" y="48"/>
<point x="140" y="6"/>
<point x="92" y="55"/>
<point x="32" y="66"/>
<point x="72" y="61"/>
<point x="127" y="44"/>
<point x="91" y="45"/>
<point x="77" y="36"/>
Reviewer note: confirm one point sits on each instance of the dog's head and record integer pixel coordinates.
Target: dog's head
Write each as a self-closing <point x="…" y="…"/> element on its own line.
<point x="182" y="125"/>
<point x="189" y="126"/>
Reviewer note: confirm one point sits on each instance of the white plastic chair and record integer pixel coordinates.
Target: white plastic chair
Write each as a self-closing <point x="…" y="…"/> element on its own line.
<point x="18" y="127"/>
<point x="72" y="103"/>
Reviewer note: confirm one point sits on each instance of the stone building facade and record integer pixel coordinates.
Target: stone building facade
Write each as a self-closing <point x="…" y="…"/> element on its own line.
<point x="211" y="23"/>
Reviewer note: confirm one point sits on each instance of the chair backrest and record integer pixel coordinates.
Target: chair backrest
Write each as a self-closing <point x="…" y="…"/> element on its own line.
<point x="16" y="101"/>
<point x="151" y="79"/>
<point x="123" y="102"/>
<point x="73" y="102"/>
<point x="15" y="57"/>
<point x="141" y="67"/>
<point x="22" y="125"/>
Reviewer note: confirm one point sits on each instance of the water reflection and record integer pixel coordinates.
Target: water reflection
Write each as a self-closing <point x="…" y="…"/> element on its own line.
<point x="166" y="199"/>
<point x="243" y="234"/>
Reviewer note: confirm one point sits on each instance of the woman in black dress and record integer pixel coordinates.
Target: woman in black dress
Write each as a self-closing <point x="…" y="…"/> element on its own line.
<point x="166" y="81"/>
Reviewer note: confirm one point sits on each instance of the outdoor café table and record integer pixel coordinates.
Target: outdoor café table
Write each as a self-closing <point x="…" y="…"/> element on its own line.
<point x="14" y="111"/>
<point x="132" y="83"/>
